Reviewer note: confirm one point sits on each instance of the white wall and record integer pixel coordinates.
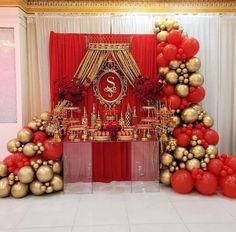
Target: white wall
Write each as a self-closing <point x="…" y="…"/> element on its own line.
<point x="13" y="17"/>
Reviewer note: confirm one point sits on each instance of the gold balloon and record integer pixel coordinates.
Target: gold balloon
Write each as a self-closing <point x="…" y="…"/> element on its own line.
<point x="32" y="125"/>
<point x="198" y="151"/>
<point x="175" y="121"/>
<point x="164" y="70"/>
<point x="174" y="64"/>
<point x="212" y="150"/>
<point x="170" y="24"/>
<point x="56" y="167"/>
<point x="44" y="173"/>
<point x="172" y="77"/>
<point x="196" y="79"/>
<point x="165" y="176"/>
<point x="24" y="135"/>
<point x="19" y="190"/>
<point x="3" y="170"/>
<point x="35" y="188"/>
<point x="12" y="145"/>
<point x="198" y="108"/>
<point x="193" y="64"/>
<point x="193" y="163"/>
<point x="179" y="152"/>
<point x="28" y="149"/>
<point x="161" y="36"/>
<point x="167" y="159"/>
<point x="45" y="116"/>
<point x="189" y="115"/>
<point x="26" y="175"/>
<point x="5" y="188"/>
<point x="208" y="121"/>
<point x="56" y="183"/>
<point x="182" y="90"/>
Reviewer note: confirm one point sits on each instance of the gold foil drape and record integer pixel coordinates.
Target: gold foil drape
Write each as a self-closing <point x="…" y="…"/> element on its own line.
<point x="98" y="53"/>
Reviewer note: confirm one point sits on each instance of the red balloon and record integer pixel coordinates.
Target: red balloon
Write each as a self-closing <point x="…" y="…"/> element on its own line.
<point x="197" y="95"/>
<point x="228" y="186"/>
<point x="53" y="150"/>
<point x="190" y="47"/>
<point x="231" y="162"/>
<point x="160" y="47"/>
<point x="177" y="131"/>
<point x="182" y="181"/>
<point x="168" y="90"/>
<point x="175" y="37"/>
<point x="197" y="132"/>
<point x="169" y="52"/>
<point x="161" y="61"/>
<point x="206" y="184"/>
<point x="183" y="140"/>
<point x="39" y="137"/>
<point x="211" y="137"/>
<point x="215" y="166"/>
<point x="174" y="101"/>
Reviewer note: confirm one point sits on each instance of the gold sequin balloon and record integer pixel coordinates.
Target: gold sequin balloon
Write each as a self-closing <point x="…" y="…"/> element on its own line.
<point x="56" y="167"/>
<point x="165" y="176"/>
<point x="167" y="159"/>
<point x="161" y="36"/>
<point x="172" y="77"/>
<point x="12" y="145"/>
<point x="5" y="188"/>
<point x="28" y="149"/>
<point x="56" y="183"/>
<point x="174" y="64"/>
<point x="180" y="152"/>
<point x="193" y="64"/>
<point x="26" y="175"/>
<point x="193" y="163"/>
<point x="45" y="116"/>
<point x="44" y="173"/>
<point x="212" y="150"/>
<point x="189" y="115"/>
<point x="196" y="79"/>
<point x="32" y="125"/>
<point x="208" y="121"/>
<point x="182" y="90"/>
<point x="25" y="135"/>
<point x="19" y="190"/>
<point x="36" y="188"/>
<point x="198" y="151"/>
<point x="3" y="170"/>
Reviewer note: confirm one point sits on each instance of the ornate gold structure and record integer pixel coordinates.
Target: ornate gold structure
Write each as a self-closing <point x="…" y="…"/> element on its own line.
<point x="95" y="6"/>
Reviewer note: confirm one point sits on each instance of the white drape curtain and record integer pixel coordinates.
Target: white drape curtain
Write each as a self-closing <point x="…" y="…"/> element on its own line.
<point x="216" y="34"/>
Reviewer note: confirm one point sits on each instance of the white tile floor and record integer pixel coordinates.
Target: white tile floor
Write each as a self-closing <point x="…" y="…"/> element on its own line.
<point x="119" y="211"/>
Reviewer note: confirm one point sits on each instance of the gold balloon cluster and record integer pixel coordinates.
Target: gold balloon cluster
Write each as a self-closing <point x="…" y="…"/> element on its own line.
<point x="40" y="123"/>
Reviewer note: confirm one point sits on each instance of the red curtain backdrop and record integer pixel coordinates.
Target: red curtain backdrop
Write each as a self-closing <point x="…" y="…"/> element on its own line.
<point x="66" y="53"/>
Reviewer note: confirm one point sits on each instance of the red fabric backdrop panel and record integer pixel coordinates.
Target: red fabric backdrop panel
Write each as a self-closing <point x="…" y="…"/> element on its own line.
<point x="66" y="53"/>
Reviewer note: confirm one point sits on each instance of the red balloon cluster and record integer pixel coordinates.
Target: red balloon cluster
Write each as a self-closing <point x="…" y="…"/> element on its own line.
<point x="53" y="150"/>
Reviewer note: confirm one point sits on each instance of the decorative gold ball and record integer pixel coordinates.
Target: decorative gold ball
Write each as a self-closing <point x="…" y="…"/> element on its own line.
<point x="165" y="176"/>
<point x="196" y="79"/>
<point x="56" y="167"/>
<point x="189" y="115"/>
<point x="161" y="36"/>
<point x="49" y="189"/>
<point x="208" y="121"/>
<point x="198" y="108"/>
<point x="198" y="151"/>
<point x="174" y="64"/>
<point x="3" y="170"/>
<point x="45" y="116"/>
<point x="25" y="135"/>
<point x="35" y="188"/>
<point x="32" y="125"/>
<point x="193" y="64"/>
<point x="179" y="152"/>
<point x="57" y="183"/>
<point x="172" y="77"/>
<point x="193" y="163"/>
<point x="182" y="90"/>
<point x="44" y="173"/>
<point x="182" y="165"/>
<point x="164" y="70"/>
<point x="19" y="190"/>
<point x="28" y="149"/>
<point x="5" y="188"/>
<point x="26" y="175"/>
<point x="212" y="150"/>
<point x="12" y="145"/>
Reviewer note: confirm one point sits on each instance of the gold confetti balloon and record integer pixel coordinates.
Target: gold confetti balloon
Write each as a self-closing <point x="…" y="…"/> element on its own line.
<point x="56" y="183"/>
<point x="36" y="188"/>
<point x="182" y="90"/>
<point x="212" y="150"/>
<point x="208" y="121"/>
<point x="19" y="190"/>
<point x="45" y="116"/>
<point x="44" y="173"/>
<point x="25" y="135"/>
<point x="193" y="163"/>
<point x="167" y="159"/>
<point x="189" y="115"/>
<point x="165" y="176"/>
<point x="180" y="152"/>
<point x="57" y="167"/>
<point x="3" y="170"/>
<point x="32" y="125"/>
<point x="193" y="64"/>
<point x="172" y="77"/>
<point x="12" y="145"/>
<point x="26" y="175"/>
<point x="196" y="79"/>
<point x="5" y="188"/>
<point x="161" y="36"/>
<point x="29" y="150"/>
<point x="198" y="151"/>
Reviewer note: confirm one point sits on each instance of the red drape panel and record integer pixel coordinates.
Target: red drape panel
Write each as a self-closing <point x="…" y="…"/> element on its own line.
<point x="66" y="53"/>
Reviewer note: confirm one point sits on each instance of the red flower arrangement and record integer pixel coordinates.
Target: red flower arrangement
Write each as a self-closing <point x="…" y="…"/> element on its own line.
<point x="147" y="88"/>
